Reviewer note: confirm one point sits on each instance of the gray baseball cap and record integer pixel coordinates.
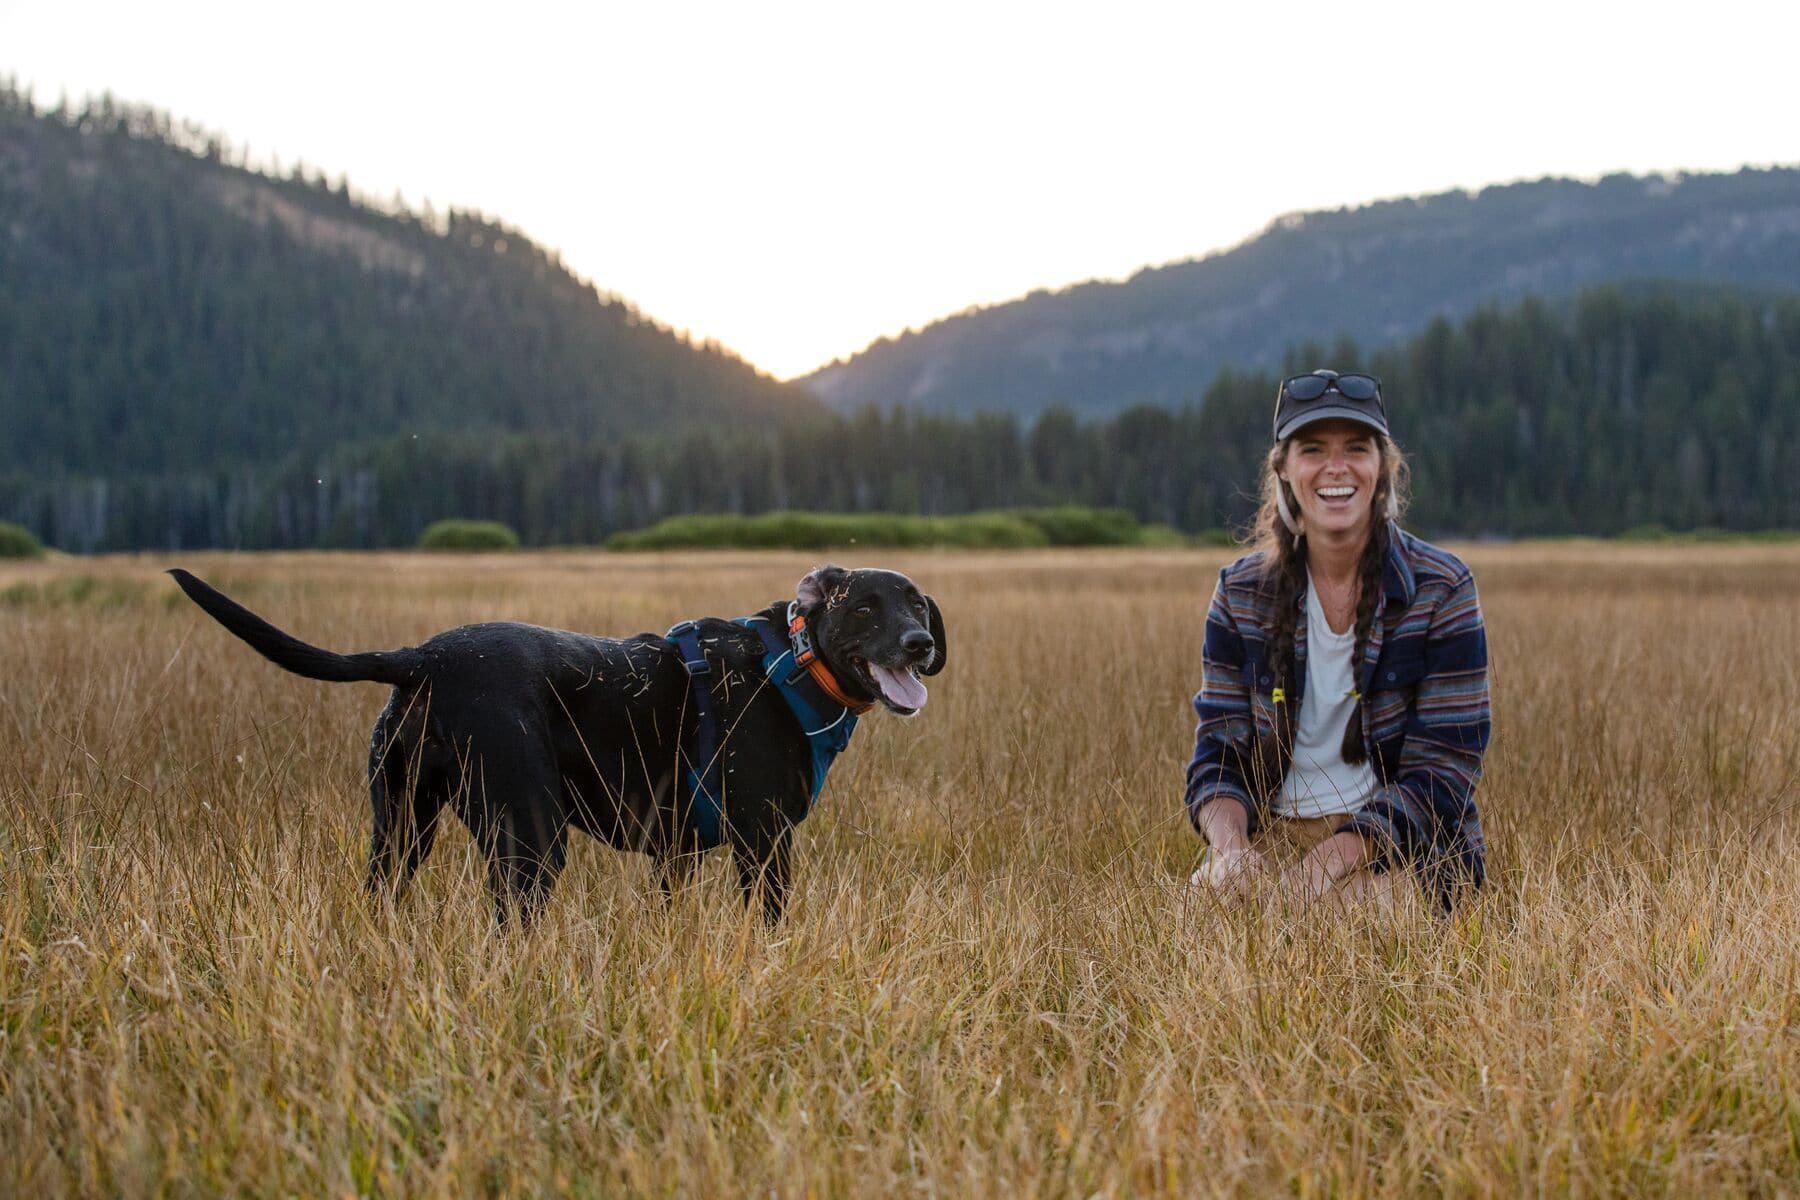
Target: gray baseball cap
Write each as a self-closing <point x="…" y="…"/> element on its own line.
<point x="1323" y="395"/>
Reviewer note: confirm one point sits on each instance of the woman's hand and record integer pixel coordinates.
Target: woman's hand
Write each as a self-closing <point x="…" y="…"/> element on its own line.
<point x="1306" y="882"/>
<point x="1313" y="877"/>
<point x="1232" y="868"/>
<point x="1231" y="874"/>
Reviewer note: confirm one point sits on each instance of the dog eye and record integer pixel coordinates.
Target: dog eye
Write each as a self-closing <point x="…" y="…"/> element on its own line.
<point x="863" y="610"/>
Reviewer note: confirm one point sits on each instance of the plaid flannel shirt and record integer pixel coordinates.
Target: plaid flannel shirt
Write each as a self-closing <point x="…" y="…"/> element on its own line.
<point x="1425" y="710"/>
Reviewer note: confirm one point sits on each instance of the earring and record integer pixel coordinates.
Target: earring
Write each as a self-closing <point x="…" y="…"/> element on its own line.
<point x="1287" y="517"/>
<point x="1393" y="505"/>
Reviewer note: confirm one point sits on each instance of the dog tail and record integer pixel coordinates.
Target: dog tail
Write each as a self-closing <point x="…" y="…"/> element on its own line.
<point x="284" y="650"/>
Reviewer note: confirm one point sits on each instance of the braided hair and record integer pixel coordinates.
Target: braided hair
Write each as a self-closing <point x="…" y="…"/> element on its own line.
<point x="1284" y="577"/>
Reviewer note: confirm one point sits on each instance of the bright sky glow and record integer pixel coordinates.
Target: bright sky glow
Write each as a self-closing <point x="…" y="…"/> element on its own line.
<point x="795" y="180"/>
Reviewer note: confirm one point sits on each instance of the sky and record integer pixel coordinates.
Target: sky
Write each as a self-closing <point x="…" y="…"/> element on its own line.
<point x="796" y="180"/>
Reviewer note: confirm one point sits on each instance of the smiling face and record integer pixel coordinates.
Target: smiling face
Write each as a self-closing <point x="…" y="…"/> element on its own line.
<point x="1332" y="468"/>
<point x="877" y="633"/>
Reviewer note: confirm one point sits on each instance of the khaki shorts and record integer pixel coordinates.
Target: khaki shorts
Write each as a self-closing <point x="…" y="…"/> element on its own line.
<point x="1287" y="840"/>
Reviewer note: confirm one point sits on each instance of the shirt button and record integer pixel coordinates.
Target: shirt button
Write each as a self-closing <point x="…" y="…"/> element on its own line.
<point x="1390" y="677"/>
<point x="1265" y="679"/>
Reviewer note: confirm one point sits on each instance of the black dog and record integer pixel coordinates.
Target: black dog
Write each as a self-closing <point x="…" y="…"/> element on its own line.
<point x="717" y="734"/>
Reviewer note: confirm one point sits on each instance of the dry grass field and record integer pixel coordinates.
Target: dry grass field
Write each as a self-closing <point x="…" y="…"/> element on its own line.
<point x="985" y="985"/>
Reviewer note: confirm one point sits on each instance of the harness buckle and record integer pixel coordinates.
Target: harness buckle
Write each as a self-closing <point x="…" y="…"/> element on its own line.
<point x="687" y="642"/>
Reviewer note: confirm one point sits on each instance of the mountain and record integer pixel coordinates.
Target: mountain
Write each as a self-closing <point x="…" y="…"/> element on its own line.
<point x="1375" y="274"/>
<point x="164" y="310"/>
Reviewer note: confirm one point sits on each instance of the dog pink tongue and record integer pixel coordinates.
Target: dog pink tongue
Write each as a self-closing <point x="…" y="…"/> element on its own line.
<point x="901" y="688"/>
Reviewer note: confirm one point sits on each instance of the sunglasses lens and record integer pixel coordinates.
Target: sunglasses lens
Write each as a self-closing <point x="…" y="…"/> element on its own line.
<point x="1307" y="387"/>
<point x="1358" y="387"/>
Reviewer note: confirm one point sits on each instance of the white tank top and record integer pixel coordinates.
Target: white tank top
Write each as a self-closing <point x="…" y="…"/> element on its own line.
<point x="1320" y="783"/>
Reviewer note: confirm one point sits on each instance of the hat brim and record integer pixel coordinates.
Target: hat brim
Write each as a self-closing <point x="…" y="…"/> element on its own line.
<point x="1328" y="412"/>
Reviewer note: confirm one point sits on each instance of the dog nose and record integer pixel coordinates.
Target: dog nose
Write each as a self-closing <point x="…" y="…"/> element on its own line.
<point x="917" y="643"/>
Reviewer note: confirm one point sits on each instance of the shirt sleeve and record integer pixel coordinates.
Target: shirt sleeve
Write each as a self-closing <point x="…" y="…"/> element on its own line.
<point x="1224" y="735"/>
<point x="1421" y="812"/>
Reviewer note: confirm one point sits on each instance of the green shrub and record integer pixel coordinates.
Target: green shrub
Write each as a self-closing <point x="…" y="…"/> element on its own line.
<point x="1165" y="536"/>
<point x="822" y="531"/>
<point x="1075" y="525"/>
<point x="997" y="529"/>
<point x="16" y="541"/>
<point x="989" y="531"/>
<point x="458" y="534"/>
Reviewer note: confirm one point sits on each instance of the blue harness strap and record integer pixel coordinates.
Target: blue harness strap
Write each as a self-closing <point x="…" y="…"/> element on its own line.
<point x="700" y="775"/>
<point x="826" y="723"/>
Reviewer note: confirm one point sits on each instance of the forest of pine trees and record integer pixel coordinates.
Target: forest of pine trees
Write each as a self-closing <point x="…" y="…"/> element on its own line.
<point x="1621" y="409"/>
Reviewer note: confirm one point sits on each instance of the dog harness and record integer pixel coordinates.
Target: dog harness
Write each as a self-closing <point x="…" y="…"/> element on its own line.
<point x="793" y="667"/>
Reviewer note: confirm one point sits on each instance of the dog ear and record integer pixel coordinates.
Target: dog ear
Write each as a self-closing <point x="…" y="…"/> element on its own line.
<point x="936" y="622"/>
<point x="818" y="584"/>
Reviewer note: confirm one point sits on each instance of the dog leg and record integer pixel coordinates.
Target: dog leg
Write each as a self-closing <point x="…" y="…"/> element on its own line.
<point x="405" y="801"/>
<point x="527" y="854"/>
<point x="763" y="861"/>
<point x="519" y="822"/>
<point x="401" y="842"/>
<point x="674" y="871"/>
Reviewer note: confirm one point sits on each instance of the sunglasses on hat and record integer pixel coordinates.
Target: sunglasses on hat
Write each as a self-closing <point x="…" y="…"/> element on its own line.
<point x="1302" y="388"/>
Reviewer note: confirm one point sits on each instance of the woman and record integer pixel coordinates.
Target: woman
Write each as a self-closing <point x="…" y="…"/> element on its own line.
<point x="1343" y="703"/>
